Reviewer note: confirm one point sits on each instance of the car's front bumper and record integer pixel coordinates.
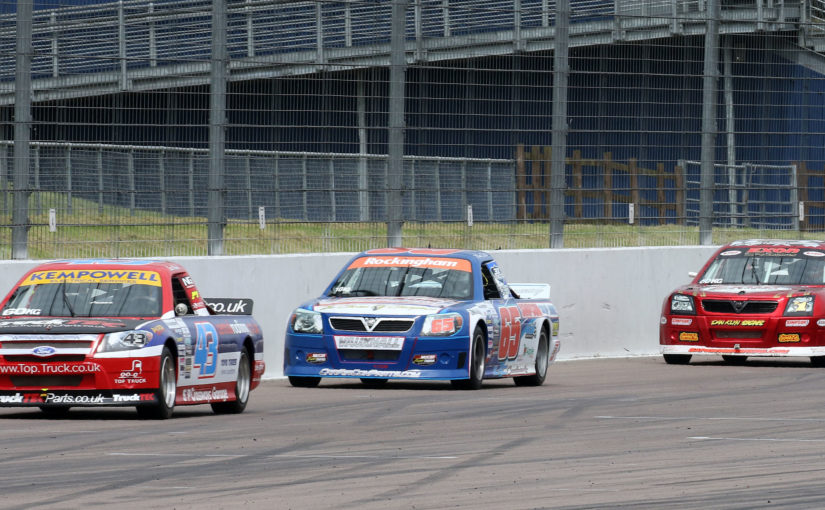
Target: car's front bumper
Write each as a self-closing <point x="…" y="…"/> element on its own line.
<point x="420" y="358"/>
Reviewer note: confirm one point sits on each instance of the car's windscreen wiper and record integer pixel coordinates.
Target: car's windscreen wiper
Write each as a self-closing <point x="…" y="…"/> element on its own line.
<point x="66" y="298"/>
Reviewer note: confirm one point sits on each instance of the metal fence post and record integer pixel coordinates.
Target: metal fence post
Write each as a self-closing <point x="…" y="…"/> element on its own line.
<point x="22" y="130"/>
<point x="395" y="179"/>
<point x="100" y="180"/>
<point x="217" y="130"/>
<point x="711" y="74"/>
<point x="561" y="71"/>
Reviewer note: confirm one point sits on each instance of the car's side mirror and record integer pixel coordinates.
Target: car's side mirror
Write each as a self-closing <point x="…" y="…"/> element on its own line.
<point x="181" y="309"/>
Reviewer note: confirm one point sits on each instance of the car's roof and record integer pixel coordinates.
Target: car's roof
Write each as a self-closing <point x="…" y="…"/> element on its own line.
<point x="801" y="243"/>
<point x="429" y="252"/>
<point x="164" y="267"/>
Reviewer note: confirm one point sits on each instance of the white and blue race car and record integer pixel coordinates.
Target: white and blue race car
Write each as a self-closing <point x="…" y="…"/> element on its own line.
<point x="423" y="314"/>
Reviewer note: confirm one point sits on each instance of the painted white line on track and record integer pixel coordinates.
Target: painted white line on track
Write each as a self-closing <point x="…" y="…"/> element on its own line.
<point x="126" y="454"/>
<point x="706" y="438"/>
<point x="709" y="418"/>
<point x="334" y="456"/>
<point x="294" y="456"/>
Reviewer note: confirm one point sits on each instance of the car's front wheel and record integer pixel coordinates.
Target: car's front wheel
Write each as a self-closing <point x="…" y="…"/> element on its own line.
<point x="542" y="361"/>
<point x="242" y="386"/>
<point x="477" y="363"/>
<point x="167" y="389"/>
<point x="676" y="359"/>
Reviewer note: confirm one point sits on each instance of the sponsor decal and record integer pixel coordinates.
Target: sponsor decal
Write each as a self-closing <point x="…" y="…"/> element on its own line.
<point x="757" y="242"/>
<point x="357" y="372"/>
<point x="426" y="262"/>
<point x="814" y="254"/>
<point x="17" y="398"/>
<point x="132" y="376"/>
<point x="187" y="281"/>
<point x="99" y="276"/>
<point x="689" y="336"/>
<point x="424" y="359"/>
<point x="21" y="311"/>
<point x="797" y="323"/>
<point x="50" y="368"/>
<point x="788" y="337"/>
<point x="316" y="357"/>
<point x="711" y="281"/>
<point x="234" y="328"/>
<point x="44" y="351"/>
<point x="677" y="321"/>
<point x="233" y="306"/>
<point x="51" y="398"/>
<point x="202" y="395"/>
<point x="736" y="322"/>
<point x="773" y="251"/>
<point x="730" y="253"/>
<point x="379" y="343"/>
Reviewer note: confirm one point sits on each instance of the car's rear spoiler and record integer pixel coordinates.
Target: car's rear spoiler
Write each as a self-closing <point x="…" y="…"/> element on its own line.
<point x="531" y="290"/>
<point x="230" y="306"/>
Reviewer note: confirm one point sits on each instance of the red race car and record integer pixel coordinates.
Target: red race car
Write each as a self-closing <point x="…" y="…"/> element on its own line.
<point x="88" y="333"/>
<point x="752" y="298"/>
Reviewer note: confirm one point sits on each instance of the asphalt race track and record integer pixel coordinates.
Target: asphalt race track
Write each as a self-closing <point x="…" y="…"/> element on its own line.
<point x="610" y="433"/>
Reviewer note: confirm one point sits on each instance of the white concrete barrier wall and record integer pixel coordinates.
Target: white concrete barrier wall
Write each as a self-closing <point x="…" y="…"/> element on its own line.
<point x="609" y="300"/>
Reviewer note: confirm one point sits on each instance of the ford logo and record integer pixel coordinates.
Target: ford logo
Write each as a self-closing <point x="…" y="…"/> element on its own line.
<point x="43" y="351"/>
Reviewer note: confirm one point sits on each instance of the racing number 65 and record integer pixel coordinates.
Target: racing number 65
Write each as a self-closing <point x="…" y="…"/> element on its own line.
<point x="510" y="332"/>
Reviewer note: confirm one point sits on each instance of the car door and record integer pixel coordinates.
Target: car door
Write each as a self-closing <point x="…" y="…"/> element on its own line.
<point x="507" y="336"/>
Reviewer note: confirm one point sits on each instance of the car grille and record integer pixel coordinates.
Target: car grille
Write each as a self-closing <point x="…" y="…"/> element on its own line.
<point x="729" y="306"/>
<point x="45" y="381"/>
<point x="362" y="324"/>
<point x="66" y="347"/>
<point x="368" y="355"/>
<point x="738" y="333"/>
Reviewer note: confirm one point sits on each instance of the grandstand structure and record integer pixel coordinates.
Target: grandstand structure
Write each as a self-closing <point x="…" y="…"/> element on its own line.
<point x="120" y="95"/>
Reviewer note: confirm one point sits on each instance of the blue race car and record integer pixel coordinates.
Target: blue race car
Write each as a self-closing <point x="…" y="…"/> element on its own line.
<point x="423" y="314"/>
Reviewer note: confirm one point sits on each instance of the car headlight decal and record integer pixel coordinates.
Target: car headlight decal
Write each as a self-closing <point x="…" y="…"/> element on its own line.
<point x="442" y="324"/>
<point x="682" y="304"/>
<point x="124" y="341"/>
<point x="306" y="321"/>
<point x="800" y="306"/>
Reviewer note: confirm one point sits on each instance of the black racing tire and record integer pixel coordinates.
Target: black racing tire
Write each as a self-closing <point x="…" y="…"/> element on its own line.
<point x="478" y="355"/>
<point x="734" y="360"/>
<point x="818" y="361"/>
<point x="374" y="383"/>
<point x="55" y="411"/>
<point x="676" y="359"/>
<point x="542" y="362"/>
<point x="242" y="386"/>
<point x="304" y="382"/>
<point x="167" y="389"/>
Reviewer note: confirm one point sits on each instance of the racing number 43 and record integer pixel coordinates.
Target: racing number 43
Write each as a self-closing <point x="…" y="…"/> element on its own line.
<point x="510" y="332"/>
<point x="206" y="350"/>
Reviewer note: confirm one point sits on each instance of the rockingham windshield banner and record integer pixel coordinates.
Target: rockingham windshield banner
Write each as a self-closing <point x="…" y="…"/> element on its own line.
<point x="422" y="262"/>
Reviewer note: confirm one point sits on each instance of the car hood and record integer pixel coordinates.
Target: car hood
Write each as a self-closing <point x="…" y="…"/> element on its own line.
<point x="741" y="290"/>
<point x="379" y="305"/>
<point x="61" y="325"/>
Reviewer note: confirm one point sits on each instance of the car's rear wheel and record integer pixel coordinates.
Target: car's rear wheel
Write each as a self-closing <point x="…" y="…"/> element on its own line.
<point x="167" y="389"/>
<point x="477" y="362"/>
<point x="542" y="361"/>
<point x="304" y="382"/>
<point x="676" y="359"/>
<point x="373" y="383"/>
<point x="242" y="386"/>
<point x="734" y="360"/>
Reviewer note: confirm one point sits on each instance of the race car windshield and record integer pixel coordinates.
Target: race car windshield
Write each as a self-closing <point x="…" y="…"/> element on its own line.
<point x="85" y="299"/>
<point x="404" y="281"/>
<point x="766" y="270"/>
